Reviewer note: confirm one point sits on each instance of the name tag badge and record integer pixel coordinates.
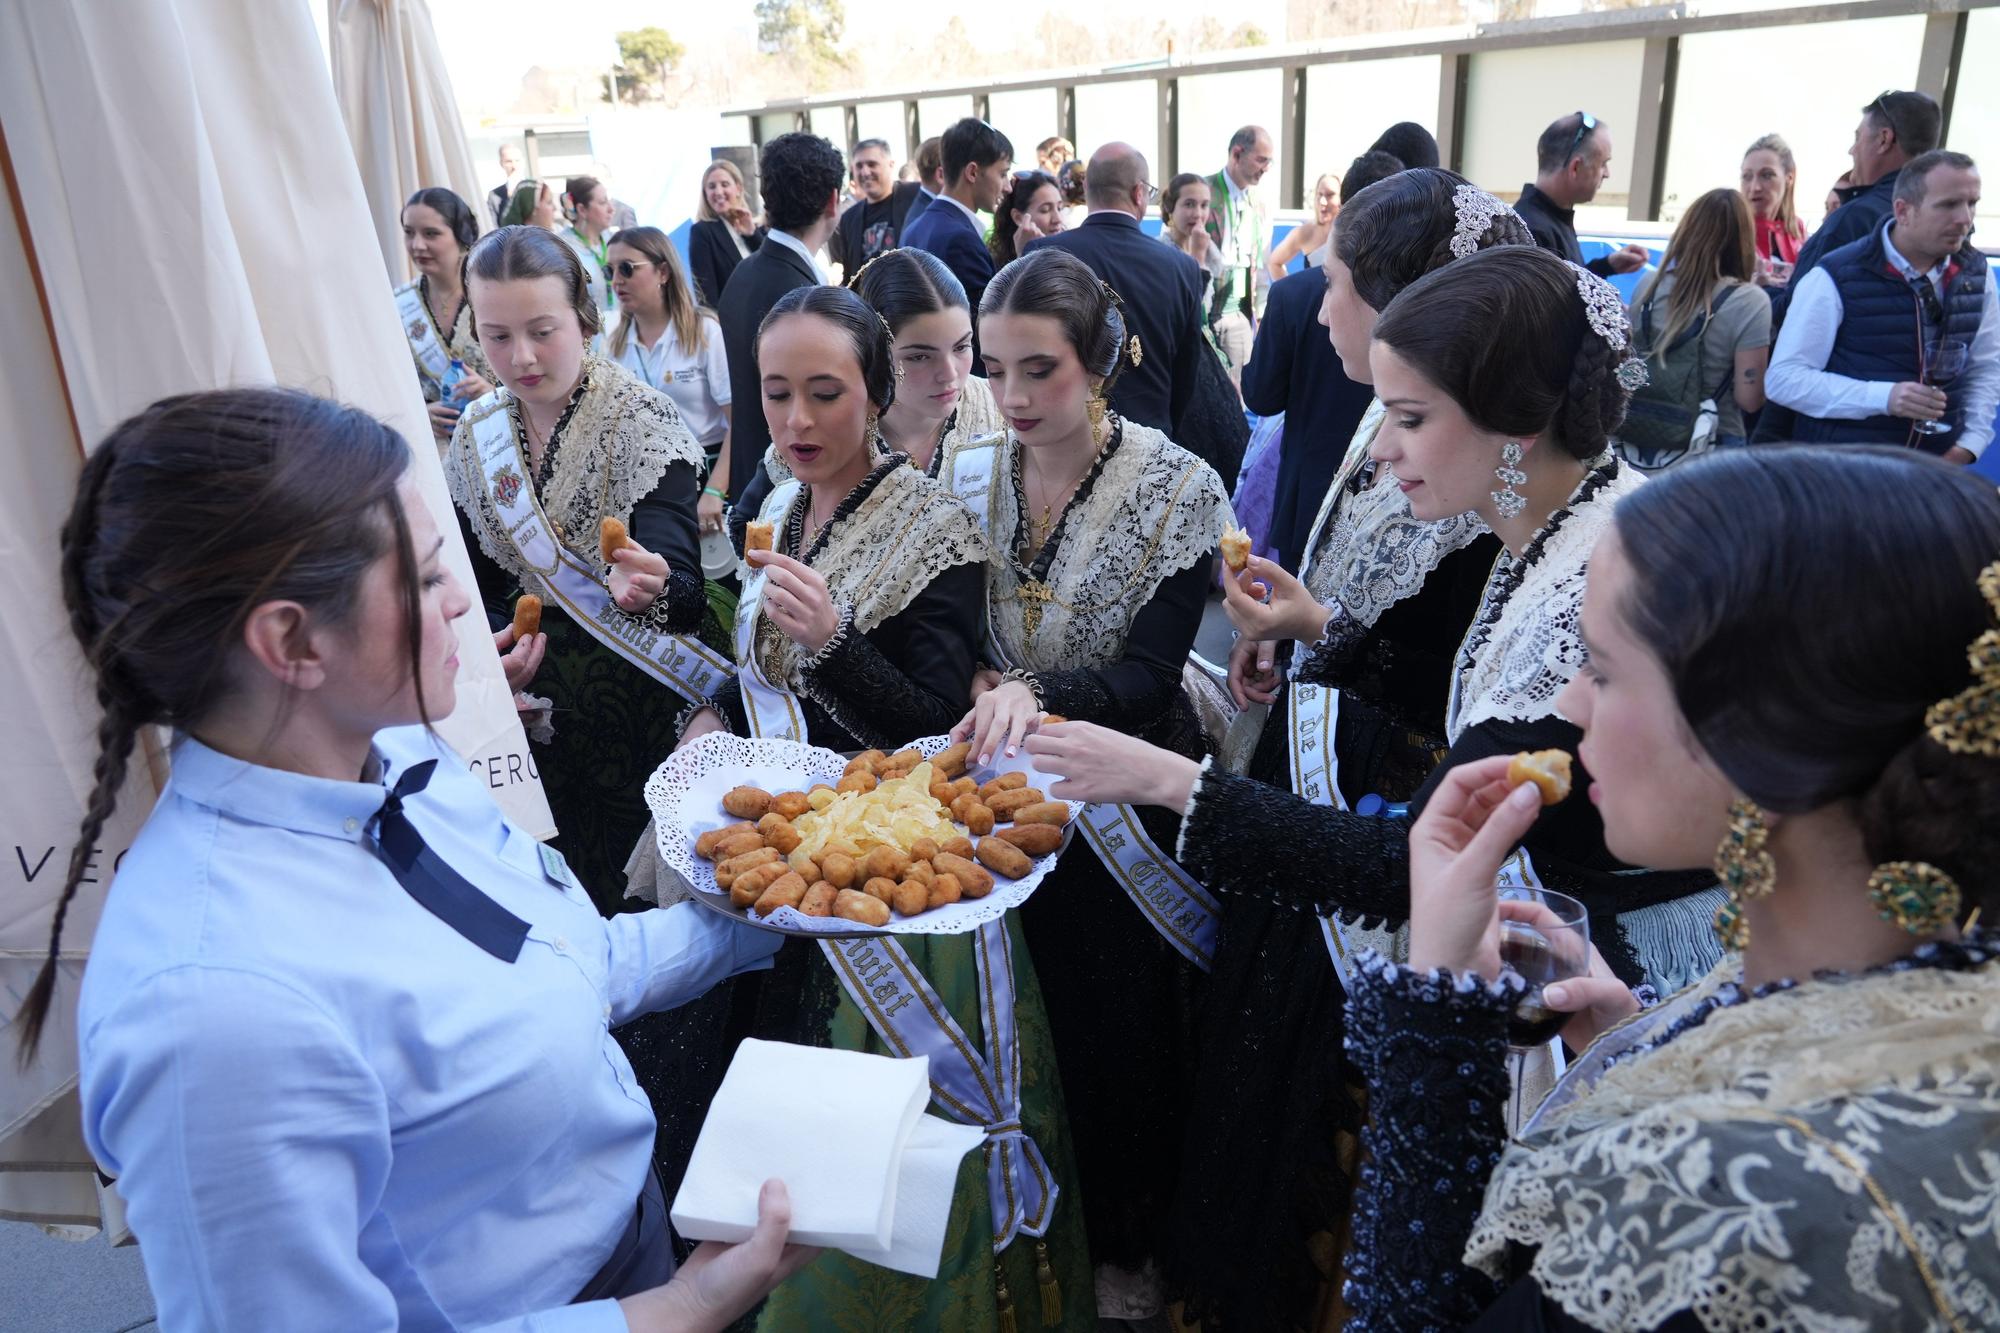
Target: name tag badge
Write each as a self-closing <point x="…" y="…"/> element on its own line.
<point x="555" y="869"/>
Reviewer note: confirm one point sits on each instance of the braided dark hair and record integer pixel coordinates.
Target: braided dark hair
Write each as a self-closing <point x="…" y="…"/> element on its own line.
<point x="1504" y="332"/>
<point x="187" y="517"/>
<point x="1401" y="227"/>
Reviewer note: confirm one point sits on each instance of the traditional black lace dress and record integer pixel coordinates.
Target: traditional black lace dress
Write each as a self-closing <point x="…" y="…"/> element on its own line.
<point x="1098" y="612"/>
<point x="1259" y="1220"/>
<point x="1281" y="862"/>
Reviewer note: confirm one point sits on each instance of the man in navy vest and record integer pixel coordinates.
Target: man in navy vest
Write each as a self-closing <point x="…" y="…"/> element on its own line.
<point x="1867" y="324"/>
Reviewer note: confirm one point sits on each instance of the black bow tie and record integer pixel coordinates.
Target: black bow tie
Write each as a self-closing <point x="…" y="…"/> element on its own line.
<point x="442" y="891"/>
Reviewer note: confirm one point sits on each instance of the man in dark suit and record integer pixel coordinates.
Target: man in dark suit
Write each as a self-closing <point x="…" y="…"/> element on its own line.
<point x="800" y="175"/>
<point x="1294" y="369"/>
<point x="1179" y="385"/>
<point x="881" y="209"/>
<point x="929" y="164"/>
<point x="977" y="161"/>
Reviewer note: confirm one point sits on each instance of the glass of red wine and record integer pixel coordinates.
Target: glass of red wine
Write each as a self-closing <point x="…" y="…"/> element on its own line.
<point x="1544" y="938"/>
<point x="1942" y="367"/>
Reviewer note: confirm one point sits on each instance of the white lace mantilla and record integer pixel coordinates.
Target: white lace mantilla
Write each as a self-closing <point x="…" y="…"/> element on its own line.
<point x="1153" y="511"/>
<point x="894" y="544"/>
<point x="1820" y="1159"/>
<point x="1533" y="648"/>
<point x="617" y="445"/>
<point x="1368" y="552"/>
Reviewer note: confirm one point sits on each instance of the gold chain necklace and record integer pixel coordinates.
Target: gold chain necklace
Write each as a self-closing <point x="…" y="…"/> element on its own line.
<point x="1046" y="524"/>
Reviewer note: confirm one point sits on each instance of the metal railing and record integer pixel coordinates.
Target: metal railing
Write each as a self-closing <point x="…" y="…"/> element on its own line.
<point x="1660" y="28"/>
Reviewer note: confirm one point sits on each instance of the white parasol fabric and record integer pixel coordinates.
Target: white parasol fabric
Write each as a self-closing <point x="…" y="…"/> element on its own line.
<point x="401" y="115"/>
<point x="185" y="215"/>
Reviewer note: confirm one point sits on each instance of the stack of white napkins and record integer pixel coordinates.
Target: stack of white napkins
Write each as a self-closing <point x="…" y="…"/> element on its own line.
<point x="868" y="1172"/>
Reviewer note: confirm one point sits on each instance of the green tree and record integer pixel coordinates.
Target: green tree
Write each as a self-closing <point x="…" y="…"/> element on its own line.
<point x="807" y="28"/>
<point x="1248" y="34"/>
<point x="648" y="55"/>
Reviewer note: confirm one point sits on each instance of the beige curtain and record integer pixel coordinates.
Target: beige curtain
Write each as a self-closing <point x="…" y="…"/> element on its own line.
<point x="400" y="112"/>
<point x="177" y="222"/>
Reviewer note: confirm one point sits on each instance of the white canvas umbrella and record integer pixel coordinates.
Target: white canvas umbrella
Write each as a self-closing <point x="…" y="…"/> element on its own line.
<point x="185" y="215"/>
<point x="401" y="115"/>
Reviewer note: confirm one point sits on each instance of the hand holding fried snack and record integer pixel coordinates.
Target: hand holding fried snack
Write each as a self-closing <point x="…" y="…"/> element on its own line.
<point x="1235" y="546"/>
<point x="757" y="536"/>
<point x="1547" y="769"/>
<point x="612" y="538"/>
<point x="527" y="616"/>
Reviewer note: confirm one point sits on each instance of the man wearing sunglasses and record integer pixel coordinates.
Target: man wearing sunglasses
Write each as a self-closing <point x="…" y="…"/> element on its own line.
<point x="1572" y="159"/>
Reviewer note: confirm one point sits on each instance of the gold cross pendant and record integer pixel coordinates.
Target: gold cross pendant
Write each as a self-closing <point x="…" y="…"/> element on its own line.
<point x="1034" y="595"/>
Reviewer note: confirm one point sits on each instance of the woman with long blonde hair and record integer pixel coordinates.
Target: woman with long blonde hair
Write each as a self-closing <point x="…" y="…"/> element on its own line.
<point x="667" y="339"/>
<point x="1309" y="237"/>
<point x="1706" y="288"/>
<point x="724" y="231"/>
<point x="1770" y="182"/>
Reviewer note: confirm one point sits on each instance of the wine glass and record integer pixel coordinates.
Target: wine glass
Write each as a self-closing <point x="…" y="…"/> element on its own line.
<point x="1944" y="364"/>
<point x="1544" y="938"/>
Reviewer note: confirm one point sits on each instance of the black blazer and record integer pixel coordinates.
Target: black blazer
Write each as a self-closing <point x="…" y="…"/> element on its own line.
<point x="753" y="289"/>
<point x="1293" y="369"/>
<point x="1170" y="389"/>
<point x="712" y="258"/>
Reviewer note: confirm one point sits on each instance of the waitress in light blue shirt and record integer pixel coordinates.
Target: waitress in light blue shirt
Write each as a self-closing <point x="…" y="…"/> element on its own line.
<point x="345" y="1032"/>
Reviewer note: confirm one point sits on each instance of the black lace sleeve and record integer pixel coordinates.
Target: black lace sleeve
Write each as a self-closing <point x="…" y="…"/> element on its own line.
<point x="1433" y="1052"/>
<point x="911" y="675"/>
<point x="1132" y="692"/>
<point x="664" y="523"/>
<point x="1245" y="836"/>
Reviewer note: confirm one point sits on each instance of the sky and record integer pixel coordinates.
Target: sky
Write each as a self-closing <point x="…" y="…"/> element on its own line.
<point x="489" y="44"/>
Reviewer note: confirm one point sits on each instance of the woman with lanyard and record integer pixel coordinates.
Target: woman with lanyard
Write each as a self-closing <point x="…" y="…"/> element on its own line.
<point x="537" y="467"/>
<point x="858" y="630"/>
<point x="1515" y="432"/>
<point x="668" y="340"/>
<point x="1102" y="531"/>
<point x="1789" y="1142"/>
<point x="344" y="1028"/>
<point x="587" y="205"/>
<point x="438" y="228"/>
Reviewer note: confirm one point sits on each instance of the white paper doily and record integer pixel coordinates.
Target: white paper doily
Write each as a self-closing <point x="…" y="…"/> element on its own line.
<point x="685" y="795"/>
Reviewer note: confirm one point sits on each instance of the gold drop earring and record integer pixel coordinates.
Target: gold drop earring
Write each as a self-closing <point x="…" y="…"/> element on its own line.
<point x="1097" y="407"/>
<point x="1744" y="865"/>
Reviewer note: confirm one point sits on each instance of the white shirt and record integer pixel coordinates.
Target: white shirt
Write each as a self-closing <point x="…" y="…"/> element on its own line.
<point x="797" y="246"/>
<point x="970" y="215"/>
<point x="330" y="1111"/>
<point x="697" y="381"/>
<point x="1798" y="379"/>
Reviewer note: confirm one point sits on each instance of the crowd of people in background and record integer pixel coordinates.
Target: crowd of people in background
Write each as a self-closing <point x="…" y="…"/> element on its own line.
<point x="998" y="433"/>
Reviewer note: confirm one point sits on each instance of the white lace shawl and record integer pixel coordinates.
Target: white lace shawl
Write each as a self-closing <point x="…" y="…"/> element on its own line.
<point x="1374" y="553"/>
<point x="1533" y="648"/>
<point x="878" y="558"/>
<point x="1154" y="510"/>
<point x="617" y="445"/>
<point x="1717" y="1173"/>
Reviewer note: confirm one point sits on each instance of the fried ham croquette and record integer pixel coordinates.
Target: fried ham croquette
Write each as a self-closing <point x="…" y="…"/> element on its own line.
<point x="1547" y="769"/>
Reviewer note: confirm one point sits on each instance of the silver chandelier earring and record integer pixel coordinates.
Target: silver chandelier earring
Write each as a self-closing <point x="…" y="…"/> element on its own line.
<point x="1507" y="501"/>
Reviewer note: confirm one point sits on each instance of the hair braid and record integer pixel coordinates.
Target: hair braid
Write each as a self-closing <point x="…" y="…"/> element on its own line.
<point x="1594" y="402"/>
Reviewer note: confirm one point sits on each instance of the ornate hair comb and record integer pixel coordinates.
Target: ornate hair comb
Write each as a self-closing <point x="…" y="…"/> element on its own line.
<point x="1473" y="211"/>
<point x="1605" y="310"/>
<point x="1969" y="721"/>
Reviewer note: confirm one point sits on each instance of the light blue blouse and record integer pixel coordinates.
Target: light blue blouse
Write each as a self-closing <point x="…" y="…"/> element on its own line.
<point x="328" y="1110"/>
